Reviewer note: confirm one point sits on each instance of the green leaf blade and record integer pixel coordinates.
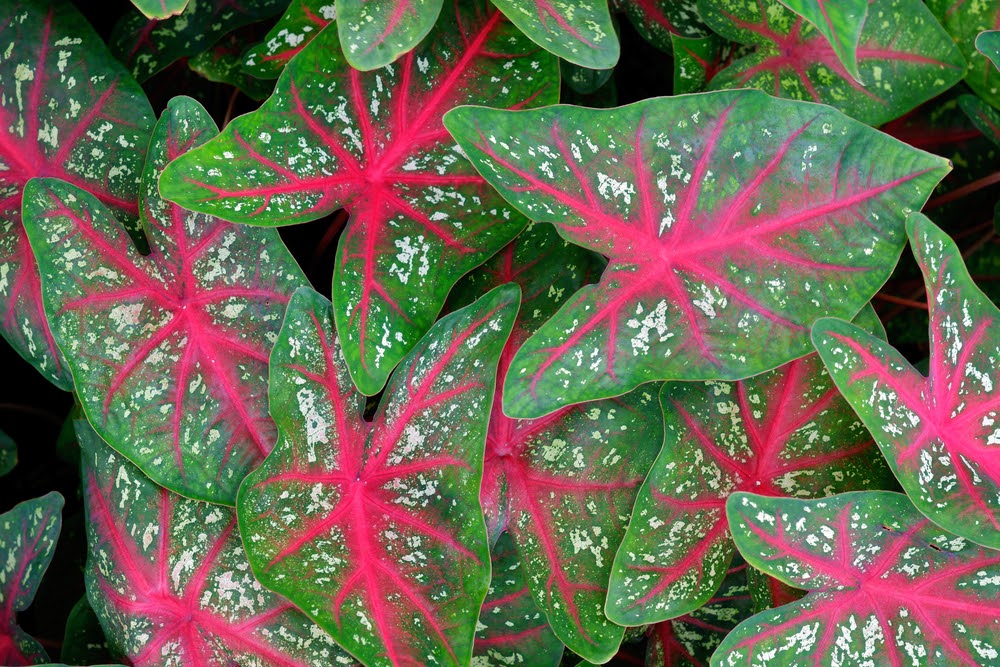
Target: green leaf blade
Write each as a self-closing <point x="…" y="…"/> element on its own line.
<point x="937" y="433"/>
<point x="579" y="31"/>
<point x="375" y="529"/>
<point x="840" y="21"/>
<point x="169" y="351"/>
<point x="655" y="187"/>
<point x="374" y="33"/>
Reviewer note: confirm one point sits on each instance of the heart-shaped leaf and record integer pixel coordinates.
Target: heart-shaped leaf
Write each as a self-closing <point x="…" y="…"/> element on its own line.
<point x="660" y="21"/>
<point x="169" y="351"/>
<point x="689" y="641"/>
<point x="298" y="26"/>
<point x="940" y="433"/>
<point x="783" y="432"/>
<point x="148" y="45"/>
<point x="70" y="110"/>
<point x="988" y="44"/>
<point x="512" y="630"/>
<point x="965" y="21"/>
<point x="223" y="63"/>
<point x="169" y="580"/>
<point x="579" y="31"/>
<point x="840" y="21"/>
<point x="705" y="236"/>
<point x="374" y="33"/>
<point x="28" y="535"/>
<point x="983" y="116"/>
<point x="160" y="9"/>
<point x="902" y="62"/>
<point x="888" y="587"/>
<point x="332" y="137"/>
<point x="563" y="486"/>
<point x="375" y="529"/>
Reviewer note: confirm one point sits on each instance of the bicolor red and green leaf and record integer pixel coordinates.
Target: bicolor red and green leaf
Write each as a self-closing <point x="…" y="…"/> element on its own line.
<point x="299" y="25"/>
<point x="149" y="45"/>
<point x="374" y="529"/>
<point x="579" y="31"/>
<point x="71" y="111"/>
<point x="840" y="22"/>
<point x="697" y="60"/>
<point x="169" y="350"/>
<point x="374" y="33"/>
<point x="966" y="21"/>
<point x="940" y="434"/>
<point x="721" y="257"/>
<point x="690" y="641"/>
<point x="660" y="21"/>
<point x="512" y="629"/>
<point x="223" y="63"/>
<point x="160" y="9"/>
<point x="901" y="62"/>
<point x="169" y="580"/>
<point x="887" y="586"/>
<point x="28" y="535"/>
<point x="373" y="143"/>
<point x="563" y="486"/>
<point x="786" y="432"/>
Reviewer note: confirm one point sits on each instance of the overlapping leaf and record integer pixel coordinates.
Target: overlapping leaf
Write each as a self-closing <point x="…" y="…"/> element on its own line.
<point x="223" y="63"/>
<point x="784" y="432"/>
<point x="579" y="31"/>
<point x="940" y="434"/>
<point x="965" y="21"/>
<point x="68" y="109"/>
<point x="563" y="486"/>
<point x="888" y="587"/>
<point x="902" y="62"/>
<point x="512" y="630"/>
<point x="298" y="26"/>
<point x="840" y="21"/>
<point x="160" y="9"/>
<point x="660" y="21"/>
<point x="373" y="144"/>
<point x="696" y="61"/>
<point x="28" y="535"/>
<point x="375" y="529"/>
<point x="983" y="116"/>
<point x="374" y="33"/>
<point x="169" y="351"/>
<point x="8" y="453"/>
<point x="732" y="221"/>
<point x="148" y="45"/>
<point x="988" y="44"/>
<point x="169" y="580"/>
<point x="689" y="641"/>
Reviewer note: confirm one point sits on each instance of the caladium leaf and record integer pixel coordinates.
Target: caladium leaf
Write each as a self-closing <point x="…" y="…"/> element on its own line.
<point x="902" y="63"/>
<point x="512" y="630"/>
<point x="70" y="110"/>
<point x="696" y="61"/>
<point x="579" y="31"/>
<point x="938" y="433"/>
<point x="223" y="63"/>
<point x="374" y="33"/>
<point x="331" y="137"/>
<point x="965" y="21"/>
<point x="840" y="22"/>
<point x="8" y="453"/>
<point x="766" y="592"/>
<point x="84" y="642"/>
<point x="783" y="432"/>
<point x="988" y="44"/>
<point x="887" y="586"/>
<point x="160" y="9"/>
<point x="148" y="45"/>
<point x="689" y="641"/>
<point x="169" y="580"/>
<point x="705" y="237"/>
<point x="563" y="486"/>
<point x="28" y="535"/>
<point x="983" y="116"/>
<point x="300" y="23"/>
<point x="169" y="351"/>
<point x="375" y="529"/>
<point x="660" y="21"/>
<point x="584" y="80"/>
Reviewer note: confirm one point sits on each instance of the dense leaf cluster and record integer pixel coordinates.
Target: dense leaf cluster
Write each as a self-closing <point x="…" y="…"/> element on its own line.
<point x="546" y="380"/>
